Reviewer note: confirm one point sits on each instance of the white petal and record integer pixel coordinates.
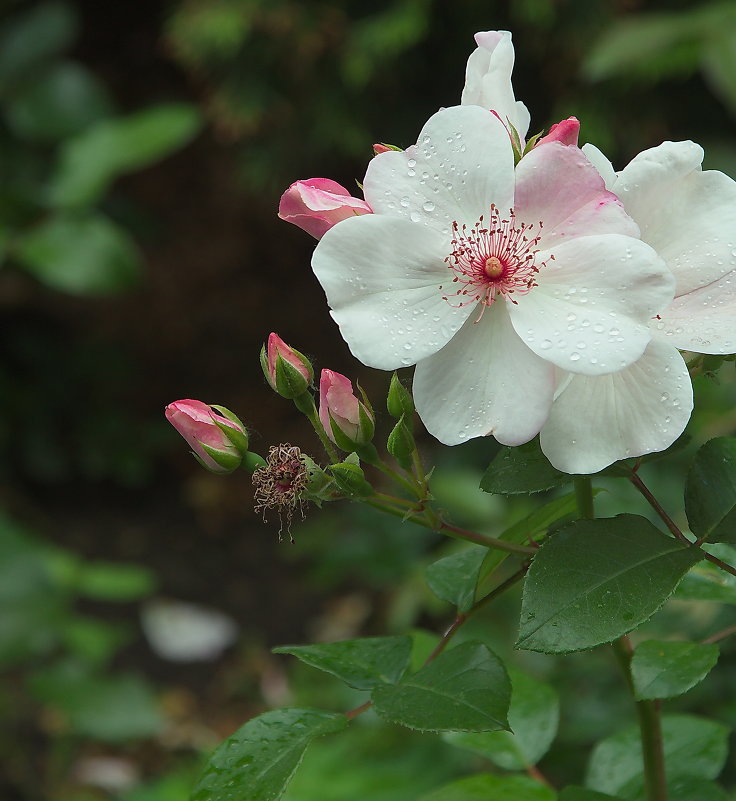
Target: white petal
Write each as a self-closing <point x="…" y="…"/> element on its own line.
<point x="599" y="420"/>
<point x="557" y="185"/>
<point x="591" y="310"/>
<point x="488" y="79"/>
<point x="601" y="163"/>
<point x="382" y="276"/>
<point x="484" y="381"/>
<point x="687" y="216"/>
<point x="462" y="162"/>
<point x="704" y="320"/>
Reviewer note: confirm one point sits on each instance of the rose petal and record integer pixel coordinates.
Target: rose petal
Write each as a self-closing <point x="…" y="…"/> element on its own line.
<point x="704" y="320"/>
<point x="601" y="163"/>
<point x="598" y="420"/>
<point x="687" y="216"/>
<point x="557" y="184"/>
<point x="382" y="277"/>
<point x="462" y="163"/>
<point x="590" y="312"/>
<point x="484" y="381"/>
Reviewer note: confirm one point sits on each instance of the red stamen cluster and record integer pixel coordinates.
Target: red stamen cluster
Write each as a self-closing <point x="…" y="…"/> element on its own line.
<point x="493" y="259"/>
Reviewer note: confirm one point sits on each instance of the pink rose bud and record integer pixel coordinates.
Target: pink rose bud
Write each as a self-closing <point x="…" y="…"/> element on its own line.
<point x="315" y="205"/>
<point x="346" y="420"/>
<point x="379" y="148"/>
<point x="565" y="132"/>
<point x="287" y="371"/>
<point x="217" y="438"/>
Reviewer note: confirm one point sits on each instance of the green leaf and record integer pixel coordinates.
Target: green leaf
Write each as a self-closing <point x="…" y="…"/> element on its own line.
<point x="33" y="37"/>
<point x="706" y="582"/>
<point x="662" y="669"/>
<point x="92" y="160"/>
<point x="688" y="789"/>
<point x="258" y="761"/>
<point x="484" y="787"/>
<point x="533" y="717"/>
<point x="522" y="470"/>
<point x="710" y="491"/>
<point x="59" y="103"/>
<point x="455" y="577"/>
<point x="573" y="793"/>
<point x="109" y="708"/>
<point x="693" y="748"/>
<point x="463" y="689"/>
<point x="598" y="579"/>
<point x="110" y="581"/>
<point x="84" y="254"/>
<point x="362" y="663"/>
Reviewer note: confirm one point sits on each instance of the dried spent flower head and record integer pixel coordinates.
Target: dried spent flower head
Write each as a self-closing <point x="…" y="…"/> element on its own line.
<point x="279" y="484"/>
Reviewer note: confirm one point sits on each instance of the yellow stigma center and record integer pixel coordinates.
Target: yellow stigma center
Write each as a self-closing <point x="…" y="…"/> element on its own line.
<point x="493" y="267"/>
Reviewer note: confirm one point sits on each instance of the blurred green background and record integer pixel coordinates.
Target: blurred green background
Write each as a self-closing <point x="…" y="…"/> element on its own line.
<point x="143" y="150"/>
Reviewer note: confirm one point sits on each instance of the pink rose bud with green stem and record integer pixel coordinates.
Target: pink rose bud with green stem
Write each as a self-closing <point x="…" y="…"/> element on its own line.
<point x="565" y="132"/>
<point x="288" y="372"/>
<point x="216" y="436"/>
<point x="316" y="204"/>
<point x="348" y="422"/>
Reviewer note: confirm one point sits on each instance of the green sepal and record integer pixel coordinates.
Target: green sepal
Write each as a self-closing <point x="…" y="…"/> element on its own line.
<point x="320" y="486"/>
<point x="515" y="141"/>
<point x="350" y="479"/>
<point x="400" y="444"/>
<point x="227" y="461"/>
<point x="290" y="383"/>
<point x="531" y="142"/>
<point x="399" y="401"/>
<point x="238" y="437"/>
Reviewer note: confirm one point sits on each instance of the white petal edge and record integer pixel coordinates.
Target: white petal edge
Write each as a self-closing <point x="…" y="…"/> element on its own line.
<point x="382" y="278"/>
<point x="599" y="420"/>
<point x="601" y="162"/>
<point x="485" y="381"/>
<point x="590" y="312"/>
<point x="462" y="162"/>
<point x="686" y="215"/>
<point x="702" y="321"/>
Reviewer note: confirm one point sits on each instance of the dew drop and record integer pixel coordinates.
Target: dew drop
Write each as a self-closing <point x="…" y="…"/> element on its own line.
<point x="415" y="216"/>
<point x="545" y="344"/>
<point x="428" y="206"/>
<point x="574" y="357"/>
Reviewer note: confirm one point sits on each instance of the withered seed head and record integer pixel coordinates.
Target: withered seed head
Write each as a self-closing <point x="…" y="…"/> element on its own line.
<point x="279" y="485"/>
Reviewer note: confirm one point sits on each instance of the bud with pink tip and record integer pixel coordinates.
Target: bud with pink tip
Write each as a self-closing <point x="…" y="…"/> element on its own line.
<point x="287" y="371"/>
<point x="316" y="204"/>
<point x="565" y="132"/>
<point x="348" y="422"/>
<point x="216" y="436"/>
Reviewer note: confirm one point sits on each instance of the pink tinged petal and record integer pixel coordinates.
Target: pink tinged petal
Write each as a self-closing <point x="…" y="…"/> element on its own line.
<point x="590" y="311"/>
<point x="485" y="381"/>
<point x="703" y="321"/>
<point x="462" y="163"/>
<point x="565" y="132"/>
<point x="488" y="79"/>
<point x="601" y="163"/>
<point x="686" y="215"/>
<point x="598" y="420"/>
<point x="558" y="186"/>
<point x="336" y="398"/>
<point x="382" y="277"/>
<point x="315" y="205"/>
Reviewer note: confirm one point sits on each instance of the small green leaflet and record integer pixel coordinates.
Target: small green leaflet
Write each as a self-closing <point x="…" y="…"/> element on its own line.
<point x="662" y="669"/>
<point x="522" y="470"/>
<point x="464" y="689"/>
<point x="258" y="761"/>
<point x="454" y="578"/>
<point x="361" y="663"/>
<point x="710" y="491"/>
<point x="484" y="787"/>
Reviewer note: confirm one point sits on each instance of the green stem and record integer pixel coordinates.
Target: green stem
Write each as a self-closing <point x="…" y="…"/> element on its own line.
<point x="310" y="412"/>
<point x="650" y="727"/>
<point x="453" y="531"/>
<point x="584" y="497"/>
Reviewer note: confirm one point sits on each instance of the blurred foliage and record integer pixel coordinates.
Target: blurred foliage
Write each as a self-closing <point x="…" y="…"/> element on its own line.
<point x="63" y="144"/>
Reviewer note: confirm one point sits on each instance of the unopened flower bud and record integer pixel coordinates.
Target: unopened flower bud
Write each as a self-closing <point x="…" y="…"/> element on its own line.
<point x="381" y="147"/>
<point x="217" y="438"/>
<point x="399" y="401"/>
<point x="566" y="132"/>
<point x="315" y="205"/>
<point x="347" y="421"/>
<point x="287" y="371"/>
<point x="400" y="443"/>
